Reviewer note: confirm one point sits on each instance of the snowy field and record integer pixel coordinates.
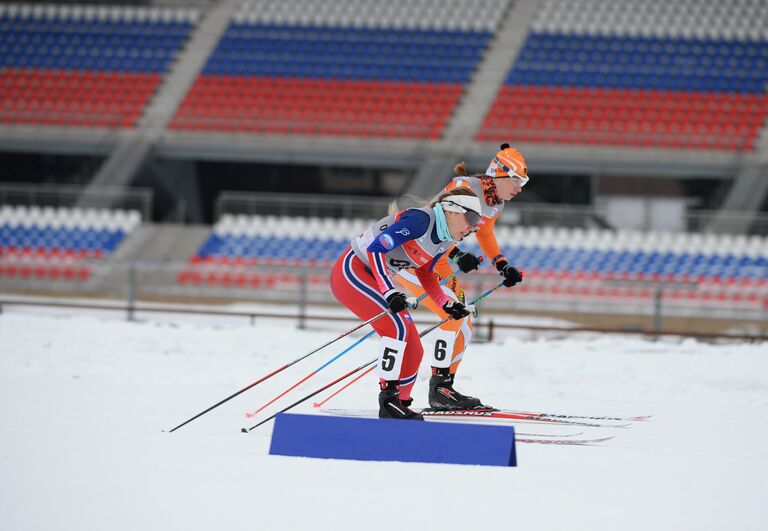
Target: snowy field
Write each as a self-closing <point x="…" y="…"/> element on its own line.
<point x="84" y="400"/>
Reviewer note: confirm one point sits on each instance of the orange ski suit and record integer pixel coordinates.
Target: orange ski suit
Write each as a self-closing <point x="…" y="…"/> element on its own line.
<point x="462" y="328"/>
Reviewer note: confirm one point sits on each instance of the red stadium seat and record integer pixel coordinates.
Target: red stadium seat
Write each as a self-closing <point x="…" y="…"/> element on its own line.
<point x="74" y="98"/>
<point x="685" y="120"/>
<point x="318" y="107"/>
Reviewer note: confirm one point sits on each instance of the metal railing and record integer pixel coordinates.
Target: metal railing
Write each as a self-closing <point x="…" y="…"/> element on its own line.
<point x="489" y="326"/>
<point x="344" y="206"/>
<point x="516" y="213"/>
<point x="307" y="287"/>
<point x="70" y="196"/>
<point x="729" y="222"/>
<point x="277" y="204"/>
<point x="543" y="214"/>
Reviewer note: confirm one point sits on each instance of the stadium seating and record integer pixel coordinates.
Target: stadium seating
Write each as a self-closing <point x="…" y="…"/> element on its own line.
<point x="239" y="244"/>
<point x="361" y="68"/>
<point x="85" y="66"/>
<point x="59" y="243"/>
<point x="559" y="262"/>
<point x="665" y="74"/>
<point x="688" y="74"/>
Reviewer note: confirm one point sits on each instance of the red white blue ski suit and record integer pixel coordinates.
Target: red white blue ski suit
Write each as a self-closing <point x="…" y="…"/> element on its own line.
<point x="362" y="278"/>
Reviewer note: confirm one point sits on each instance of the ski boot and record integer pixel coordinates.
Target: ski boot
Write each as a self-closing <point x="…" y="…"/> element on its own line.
<point x="390" y="406"/>
<point x="442" y="395"/>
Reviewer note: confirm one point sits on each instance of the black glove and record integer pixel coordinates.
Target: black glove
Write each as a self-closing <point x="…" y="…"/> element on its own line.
<point x="466" y="261"/>
<point x="455" y="309"/>
<point x="397" y="302"/>
<point x="511" y="274"/>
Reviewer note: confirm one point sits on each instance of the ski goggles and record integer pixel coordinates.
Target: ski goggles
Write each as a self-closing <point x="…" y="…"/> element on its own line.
<point x="472" y="217"/>
<point x="521" y="179"/>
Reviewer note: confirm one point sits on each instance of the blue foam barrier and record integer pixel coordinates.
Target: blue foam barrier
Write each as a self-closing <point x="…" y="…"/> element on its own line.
<point x="367" y="439"/>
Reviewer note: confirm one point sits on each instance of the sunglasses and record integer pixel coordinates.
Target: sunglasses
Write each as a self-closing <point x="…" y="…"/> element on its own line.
<point x="521" y="179"/>
<point x="472" y="217"/>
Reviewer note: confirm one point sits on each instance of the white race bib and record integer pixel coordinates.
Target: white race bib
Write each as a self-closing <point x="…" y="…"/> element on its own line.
<point x="390" y="358"/>
<point x="442" y="348"/>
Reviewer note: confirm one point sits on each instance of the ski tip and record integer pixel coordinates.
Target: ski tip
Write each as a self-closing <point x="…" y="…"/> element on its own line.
<point x="587" y="442"/>
<point x="597" y="441"/>
<point x="642" y="417"/>
<point x="249" y="415"/>
<point x="564" y="442"/>
<point x="316" y="404"/>
<point x="244" y="430"/>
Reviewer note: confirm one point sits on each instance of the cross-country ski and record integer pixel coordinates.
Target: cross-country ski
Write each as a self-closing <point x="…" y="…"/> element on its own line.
<point x="480" y="415"/>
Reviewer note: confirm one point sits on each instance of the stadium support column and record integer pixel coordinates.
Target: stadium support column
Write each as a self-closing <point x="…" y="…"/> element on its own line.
<point x="135" y="145"/>
<point x="459" y="134"/>
<point x="747" y="194"/>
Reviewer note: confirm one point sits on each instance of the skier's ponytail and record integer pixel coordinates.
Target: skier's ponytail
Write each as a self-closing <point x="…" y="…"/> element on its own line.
<point x="460" y="169"/>
<point x="404" y="203"/>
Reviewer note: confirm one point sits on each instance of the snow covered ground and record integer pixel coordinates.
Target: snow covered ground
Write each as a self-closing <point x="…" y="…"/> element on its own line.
<point x="84" y="400"/>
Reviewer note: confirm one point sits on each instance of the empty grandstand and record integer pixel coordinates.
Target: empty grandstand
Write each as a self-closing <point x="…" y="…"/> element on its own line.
<point x="227" y="150"/>
<point x="656" y="74"/>
<point x="85" y="65"/>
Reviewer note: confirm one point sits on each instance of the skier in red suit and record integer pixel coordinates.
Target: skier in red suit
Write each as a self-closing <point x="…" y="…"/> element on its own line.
<point x="362" y="280"/>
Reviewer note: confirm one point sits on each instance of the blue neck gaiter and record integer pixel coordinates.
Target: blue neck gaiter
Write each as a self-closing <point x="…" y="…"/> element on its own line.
<point x="440" y="222"/>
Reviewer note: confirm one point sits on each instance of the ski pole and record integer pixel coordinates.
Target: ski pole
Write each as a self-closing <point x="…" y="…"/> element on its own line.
<point x="337" y="380"/>
<point x="475" y="301"/>
<point x="251" y="414"/>
<point x="361" y="367"/>
<point x="425" y="332"/>
<point x="310" y="375"/>
<point x="300" y="358"/>
<point x="319" y="404"/>
<point x="276" y="371"/>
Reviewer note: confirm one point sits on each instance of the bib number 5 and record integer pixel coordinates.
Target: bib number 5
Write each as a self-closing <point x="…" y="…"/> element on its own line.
<point x="390" y="358"/>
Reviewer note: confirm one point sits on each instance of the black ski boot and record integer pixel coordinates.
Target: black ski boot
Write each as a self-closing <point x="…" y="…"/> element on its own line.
<point x="390" y="406"/>
<point x="443" y="396"/>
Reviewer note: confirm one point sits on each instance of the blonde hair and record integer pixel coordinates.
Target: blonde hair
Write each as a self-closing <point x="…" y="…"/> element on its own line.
<point x="405" y="202"/>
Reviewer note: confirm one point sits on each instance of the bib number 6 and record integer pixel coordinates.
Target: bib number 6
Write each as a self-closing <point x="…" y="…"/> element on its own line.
<point x="442" y="350"/>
